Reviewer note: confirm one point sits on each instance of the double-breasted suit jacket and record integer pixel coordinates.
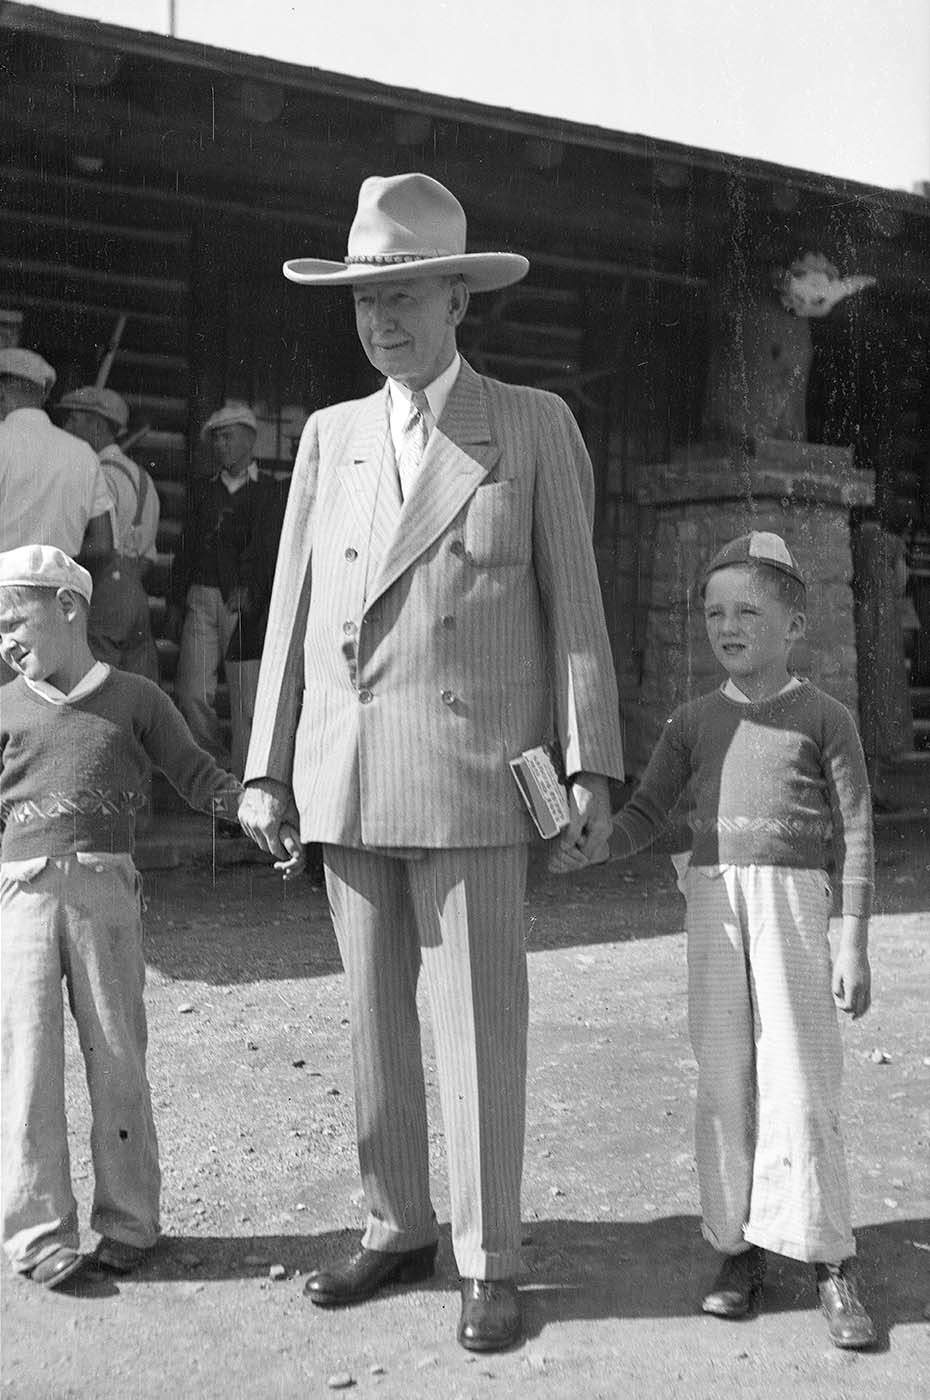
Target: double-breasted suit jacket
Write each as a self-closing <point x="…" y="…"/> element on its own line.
<point x="414" y="647"/>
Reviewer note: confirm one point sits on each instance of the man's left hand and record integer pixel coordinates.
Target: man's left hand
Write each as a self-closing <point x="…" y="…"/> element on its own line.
<point x="585" y="840"/>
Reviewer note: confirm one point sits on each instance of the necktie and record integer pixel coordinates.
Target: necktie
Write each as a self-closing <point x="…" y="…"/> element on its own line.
<point x="413" y="443"/>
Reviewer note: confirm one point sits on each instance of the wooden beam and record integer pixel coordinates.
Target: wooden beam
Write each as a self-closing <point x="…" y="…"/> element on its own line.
<point x="132" y="280"/>
<point x="179" y="238"/>
<point x="42" y="303"/>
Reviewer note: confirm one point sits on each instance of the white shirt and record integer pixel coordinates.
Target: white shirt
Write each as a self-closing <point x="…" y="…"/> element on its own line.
<point x="732" y="691"/>
<point x="137" y="541"/>
<point x="236" y="483"/>
<point x="436" y="395"/>
<point x="88" y="683"/>
<point x="51" y="484"/>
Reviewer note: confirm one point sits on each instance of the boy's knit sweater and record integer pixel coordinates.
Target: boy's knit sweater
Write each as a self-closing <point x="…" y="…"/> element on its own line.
<point x="777" y="782"/>
<point x="72" y="776"/>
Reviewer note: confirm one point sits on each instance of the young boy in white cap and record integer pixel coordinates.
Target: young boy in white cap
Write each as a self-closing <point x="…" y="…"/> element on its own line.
<point x="76" y="740"/>
<point x="776" y="783"/>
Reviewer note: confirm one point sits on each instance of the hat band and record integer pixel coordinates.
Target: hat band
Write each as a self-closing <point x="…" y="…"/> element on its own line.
<point x="385" y="259"/>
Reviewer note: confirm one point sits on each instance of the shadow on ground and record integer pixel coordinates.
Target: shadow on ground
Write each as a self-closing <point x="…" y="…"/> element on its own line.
<point x="241" y="924"/>
<point x="576" y="1269"/>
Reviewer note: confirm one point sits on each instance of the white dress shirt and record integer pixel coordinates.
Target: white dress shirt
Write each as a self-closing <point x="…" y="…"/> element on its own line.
<point x="51" y="483"/>
<point x="436" y="395"/>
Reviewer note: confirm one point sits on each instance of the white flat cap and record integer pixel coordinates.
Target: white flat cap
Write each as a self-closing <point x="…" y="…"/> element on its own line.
<point x="106" y="402"/>
<point x="44" y="566"/>
<point x="228" y="416"/>
<point x="26" y="364"/>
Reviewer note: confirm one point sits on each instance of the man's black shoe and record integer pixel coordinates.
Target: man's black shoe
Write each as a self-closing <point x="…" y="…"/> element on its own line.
<point x="738" y="1284"/>
<point x="849" y="1323"/>
<point x="491" y="1315"/>
<point x="366" y="1272"/>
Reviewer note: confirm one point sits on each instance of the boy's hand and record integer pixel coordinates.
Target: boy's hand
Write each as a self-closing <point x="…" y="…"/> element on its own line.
<point x="290" y="840"/>
<point x="568" y="860"/>
<point x="584" y="842"/>
<point x="852" y="980"/>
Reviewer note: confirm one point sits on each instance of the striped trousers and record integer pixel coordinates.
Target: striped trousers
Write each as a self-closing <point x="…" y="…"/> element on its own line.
<point x="768" y="1136"/>
<point x="459" y="915"/>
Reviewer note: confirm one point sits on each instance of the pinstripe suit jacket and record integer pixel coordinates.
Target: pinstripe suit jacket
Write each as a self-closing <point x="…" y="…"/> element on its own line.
<point x="439" y="636"/>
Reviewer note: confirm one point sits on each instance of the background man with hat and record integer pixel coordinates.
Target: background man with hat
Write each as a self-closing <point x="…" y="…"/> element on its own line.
<point x="454" y="619"/>
<point x="120" y="626"/>
<point x="52" y="488"/>
<point x="220" y="581"/>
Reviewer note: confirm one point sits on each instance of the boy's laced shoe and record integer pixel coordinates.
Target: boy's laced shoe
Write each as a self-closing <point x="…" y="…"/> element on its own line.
<point x="738" y="1285"/>
<point x="849" y="1323"/>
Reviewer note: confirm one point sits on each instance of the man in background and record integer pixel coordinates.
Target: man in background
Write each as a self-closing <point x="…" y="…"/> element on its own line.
<point x="120" y="628"/>
<point x="52" y="487"/>
<point x="220" y="580"/>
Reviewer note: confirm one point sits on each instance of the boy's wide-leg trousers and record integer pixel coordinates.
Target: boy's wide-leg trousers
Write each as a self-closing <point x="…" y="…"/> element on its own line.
<point x="768" y="1134"/>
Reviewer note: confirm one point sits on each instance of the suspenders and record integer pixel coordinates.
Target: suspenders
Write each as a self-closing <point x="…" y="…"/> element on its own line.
<point x="141" y="489"/>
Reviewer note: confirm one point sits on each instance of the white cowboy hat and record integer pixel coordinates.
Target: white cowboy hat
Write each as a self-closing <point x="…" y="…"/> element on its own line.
<point x="408" y="226"/>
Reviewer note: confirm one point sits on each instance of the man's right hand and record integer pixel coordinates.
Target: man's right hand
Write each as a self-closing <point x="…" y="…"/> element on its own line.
<point x="265" y="806"/>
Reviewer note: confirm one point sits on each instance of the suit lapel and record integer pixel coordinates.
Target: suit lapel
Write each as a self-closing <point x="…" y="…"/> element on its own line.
<point x="458" y="457"/>
<point x="369" y="477"/>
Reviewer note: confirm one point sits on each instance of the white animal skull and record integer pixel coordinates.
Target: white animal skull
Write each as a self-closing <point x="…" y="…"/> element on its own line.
<point x="812" y="286"/>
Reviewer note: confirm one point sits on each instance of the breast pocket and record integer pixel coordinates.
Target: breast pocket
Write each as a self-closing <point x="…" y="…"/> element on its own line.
<point x="498" y="525"/>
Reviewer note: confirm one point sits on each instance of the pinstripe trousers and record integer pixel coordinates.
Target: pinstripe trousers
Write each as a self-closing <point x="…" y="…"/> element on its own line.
<point x="768" y="1137"/>
<point x="458" y="914"/>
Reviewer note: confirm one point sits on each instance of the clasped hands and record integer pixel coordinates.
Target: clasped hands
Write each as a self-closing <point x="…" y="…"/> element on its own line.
<point x="585" y="841"/>
<point x="268" y="815"/>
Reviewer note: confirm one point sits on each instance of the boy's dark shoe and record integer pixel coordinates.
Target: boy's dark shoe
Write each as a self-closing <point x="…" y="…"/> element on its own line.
<point x="366" y="1272"/>
<point x="849" y="1323"/>
<point x="53" y="1269"/>
<point x="117" y="1257"/>
<point x="738" y="1285"/>
<point x="491" y="1315"/>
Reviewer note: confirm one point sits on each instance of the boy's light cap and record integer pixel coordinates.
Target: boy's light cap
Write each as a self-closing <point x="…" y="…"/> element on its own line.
<point x="758" y="547"/>
<point x="228" y="416"/>
<point x="44" y="566"/>
<point x="26" y="364"/>
<point x="106" y="402"/>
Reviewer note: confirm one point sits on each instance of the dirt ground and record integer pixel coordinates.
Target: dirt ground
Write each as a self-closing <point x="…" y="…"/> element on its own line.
<point x="252" y="1086"/>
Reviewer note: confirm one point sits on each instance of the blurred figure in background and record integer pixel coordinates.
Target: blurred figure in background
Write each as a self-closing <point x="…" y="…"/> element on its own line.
<point x="221" y="581"/>
<point x="120" y="624"/>
<point x="52" y="487"/>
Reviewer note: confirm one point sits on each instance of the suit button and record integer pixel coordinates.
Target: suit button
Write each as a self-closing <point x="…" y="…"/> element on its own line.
<point x="457" y="547"/>
<point x="448" y="621"/>
<point x="349" y="629"/>
<point x="365" y="697"/>
<point x="448" y="697"/>
<point x="351" y="554"/>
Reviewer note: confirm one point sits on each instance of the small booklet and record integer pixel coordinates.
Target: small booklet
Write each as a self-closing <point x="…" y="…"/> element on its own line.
<point x="538" y="774"/>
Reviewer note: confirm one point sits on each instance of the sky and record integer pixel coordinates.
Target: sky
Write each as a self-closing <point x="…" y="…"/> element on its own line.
<point x="841" y="87"/>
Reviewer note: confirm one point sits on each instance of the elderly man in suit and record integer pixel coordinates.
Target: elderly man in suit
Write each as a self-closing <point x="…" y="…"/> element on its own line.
<point x="454" y="619"/>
